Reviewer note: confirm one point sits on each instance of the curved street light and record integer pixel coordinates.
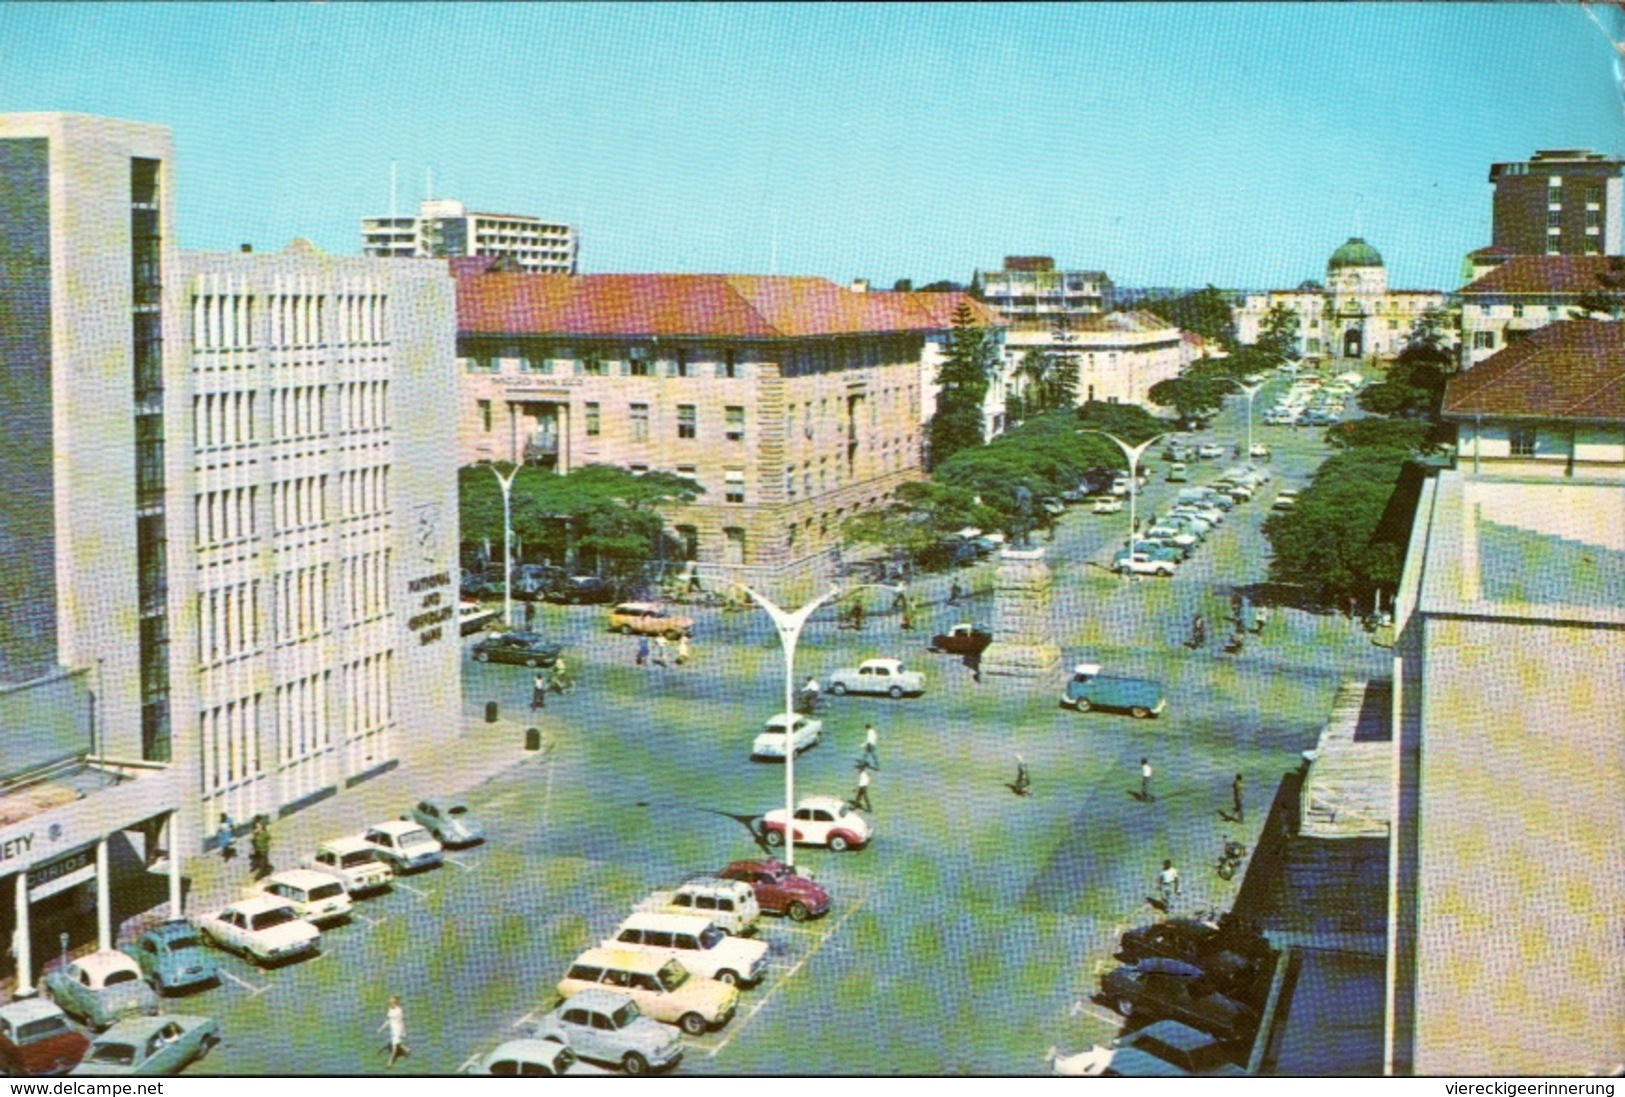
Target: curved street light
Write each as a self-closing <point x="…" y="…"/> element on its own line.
<point x="507" y="542"/>
<point x="1132" y="454"/>
<point x="1251" y="391"/>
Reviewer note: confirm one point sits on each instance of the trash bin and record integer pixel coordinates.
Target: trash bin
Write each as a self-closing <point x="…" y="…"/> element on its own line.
<point x="490" y="712"/>
<point x="533" y="738"/>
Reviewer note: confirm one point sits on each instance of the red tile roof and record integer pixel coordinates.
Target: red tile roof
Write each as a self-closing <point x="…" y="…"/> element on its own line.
<point x="1543" y="274"/>
<point x="1571" y="369"/>
<point x="717" y="305"/>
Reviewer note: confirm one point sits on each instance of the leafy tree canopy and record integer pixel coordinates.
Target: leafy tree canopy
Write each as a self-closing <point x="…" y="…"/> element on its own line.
<point x="1205" y="312"/>
<point x="962" y="380"/>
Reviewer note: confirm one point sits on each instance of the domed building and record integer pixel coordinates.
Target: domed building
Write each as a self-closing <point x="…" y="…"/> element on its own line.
<point x="1351" y="318"/>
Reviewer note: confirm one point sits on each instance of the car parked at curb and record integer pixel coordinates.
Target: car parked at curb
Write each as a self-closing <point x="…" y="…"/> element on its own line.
<point x="100" y="988"/>
<point x="880" y="676"/>
<point x="525" y="649"/>
<point x="317" y="897"/>
<point x="449" y="820"/>
<point x="1231" y="955"/>
<point x="700" y="945"/>
<point x="1161" y="988"/>
<point x="662" y="987"/>
<point x="608" y="1027"/>
<point x="354" y="862"/>
<point x="1089" y="689"/>
<point x="530" y="1058"/>
<point x="779" y="890"/>
<point x="164" y="1044"/>
<point x="36" y="1039"/>
<point x="172" y="957"/>
<point x="820" y="821"/>
<point x="404" y="846"/>
<point x="803" y="734"/>
<point x="263" y="928"/>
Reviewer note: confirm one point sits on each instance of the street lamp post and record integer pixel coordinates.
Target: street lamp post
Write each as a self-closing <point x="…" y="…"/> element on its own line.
<point x="789" y="625"/>
<point x="1132" y="454"/>
<point x="507" y="542"/>
<point x="1251" y="391"/>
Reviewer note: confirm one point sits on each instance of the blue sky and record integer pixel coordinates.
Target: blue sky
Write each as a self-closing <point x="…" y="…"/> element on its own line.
<point x="1167" y="144"/>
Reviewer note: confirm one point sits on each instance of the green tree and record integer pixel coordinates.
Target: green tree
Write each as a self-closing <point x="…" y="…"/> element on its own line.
<point x="1205" y="312"/>
<point x="1194" y="395"/>
<point x="903" y="285"/>
<point x="1278" y="335"/>
<point x="975" y="287"/>
<point x="1415" y="382"/>
<point x="962" y="382"/>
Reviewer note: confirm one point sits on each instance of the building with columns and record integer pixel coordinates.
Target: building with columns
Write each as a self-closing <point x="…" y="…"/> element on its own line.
<point x="794" y="402"/>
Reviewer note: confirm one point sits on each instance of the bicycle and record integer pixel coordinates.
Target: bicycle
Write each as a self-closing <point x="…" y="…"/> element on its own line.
<point x="1230" y="859"/>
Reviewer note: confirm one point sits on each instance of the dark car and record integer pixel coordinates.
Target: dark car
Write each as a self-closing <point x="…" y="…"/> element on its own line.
<point x="532" y="581"/>
<point x="523" y="648"/>
<point x="1161" y="988"/>
<point x="580" y="590"/>
<point x="1231" y="953"/>
<point x="480" y="584"/>
<point x="779" y="890"/>
<point x="35" y="1039"/>
<point x="963" y="639"/>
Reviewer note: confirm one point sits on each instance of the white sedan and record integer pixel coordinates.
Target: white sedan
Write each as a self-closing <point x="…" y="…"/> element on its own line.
<point x="263" y="928"/>
<point x="887" y="676"/>
<point x="1108" y="504"/>
<point x="317" y="897"/>
<point x="820" y="821"/>
<point x="804" y="733"/>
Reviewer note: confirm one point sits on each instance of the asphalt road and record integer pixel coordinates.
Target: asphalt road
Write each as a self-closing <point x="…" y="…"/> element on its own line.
<point x="966" y="939"/>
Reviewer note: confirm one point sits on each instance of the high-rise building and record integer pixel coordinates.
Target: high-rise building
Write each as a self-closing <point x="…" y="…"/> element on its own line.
<point x="1559" y="202"/>
<point x="443" y="229"/>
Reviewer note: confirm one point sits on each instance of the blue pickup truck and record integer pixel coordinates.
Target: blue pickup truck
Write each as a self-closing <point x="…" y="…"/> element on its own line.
<point x="1089" y="689"/>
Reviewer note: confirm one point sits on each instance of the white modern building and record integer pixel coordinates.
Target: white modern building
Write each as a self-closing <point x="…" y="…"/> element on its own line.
<point x="1029" y="287"/>
<point x="444" y="229"/>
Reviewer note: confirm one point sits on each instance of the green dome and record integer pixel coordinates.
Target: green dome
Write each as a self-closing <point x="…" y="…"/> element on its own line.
<point x="1355" y="253"/>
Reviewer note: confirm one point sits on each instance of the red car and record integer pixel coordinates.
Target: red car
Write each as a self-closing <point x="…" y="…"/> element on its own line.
<point x="778" y="890"/>
<point x="35" y="1039"/>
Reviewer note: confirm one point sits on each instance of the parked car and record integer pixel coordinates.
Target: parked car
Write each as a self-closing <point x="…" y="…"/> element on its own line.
<point x="479" y="584"/>
<point x="317" y="897"/>
<point x="528" y="649"/>
<point x="648" y="619"/>
<point x="779" y="890"/>
<point x="528" y="1058"/>
<point x="804" y="732"/>
<point x="887" y="676"/>
<point x="1107" y="504"/>
<point x="730" y="904"/>
<point x="1230" y="954"/>
<point x="1210" y="450"/>
<point x="1159" y="988"/>
<point x="1142" y="563"/>
<point x="701" y="946"/>
<point x="1089" y="689"/>
<point x="963" y="639"/>
<point x="1119" y="486"/>
<point x="262" y="928"/>
<point x="1052" y="506"/>
<point x="1285" y="499"/>
<point x="36" y="1039"/>
<point x="472" y="617"/>
<point x="576" y="590"/>
<point x="1260" y="450"/>
<point x="820" y="821"/>
<point x="165" y="1044"/>
<point x="1172" y="554"/>
<point x="1178" y="473"/>
<point x="1176" y="536"/>
<point x="172" y="957"/>
<point x="404" y="846"/>
<point x="608" y="1027"/>
<point x="354" y="862"/>
<point x="100" y="988"/>
<point x="450" y="821"/>
<point x="1162" y="1049"/>
<point x="662" y="987"/>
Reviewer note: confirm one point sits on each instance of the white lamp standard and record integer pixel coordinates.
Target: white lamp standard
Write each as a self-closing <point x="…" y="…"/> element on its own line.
<point x="1251" y="391"/>
<point x="789" y="625"/>
<point x="507" y="542"/>
<point x="1133" y="455"/>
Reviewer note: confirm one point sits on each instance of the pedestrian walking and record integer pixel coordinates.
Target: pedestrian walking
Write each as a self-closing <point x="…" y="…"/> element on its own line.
<point x="1198" y="631"/>
<point x="860" y="798"/>
<point x="1145" y="781"/>
<point x="953" y="593"/>
<point x="530" y="616"/>
<point x="907" y="623"/>
<point x="1168" y="884"/>
<point x="395" y="1024"/>
<point x="226" y="837"/>
<point x="643" y="651"/>
<point x="871" y="741"/>
<point x="683" y="650"/>
<point x="899" y="600"/>
<point x="538" y="693"/>
<point x="1023" y="784"/>
<point x="1235" y="796"/>
<point x="260" y="846"/>
<point x="857" y="615"/>
<point x="662" y="648"/>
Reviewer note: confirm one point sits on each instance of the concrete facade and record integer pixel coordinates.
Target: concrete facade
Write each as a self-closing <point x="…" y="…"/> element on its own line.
<point x="1119" y="355"/>
<point x="1029" y="287"/>
<point x="444" y="229"/>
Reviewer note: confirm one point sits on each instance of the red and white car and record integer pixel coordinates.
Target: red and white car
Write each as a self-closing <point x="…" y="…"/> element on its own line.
<point x="820" y="821"/>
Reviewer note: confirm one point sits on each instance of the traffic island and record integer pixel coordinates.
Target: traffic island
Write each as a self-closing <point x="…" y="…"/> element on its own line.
<point x="1022" y="592"/>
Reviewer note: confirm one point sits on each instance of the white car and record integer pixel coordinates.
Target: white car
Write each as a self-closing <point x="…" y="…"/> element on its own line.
<point x="1120" y="486"/>
<point x="887" y="676"/>
<point x="317" y="897"/>
<point x="1213" y="516"/>
<point x="1140" y="563"/>
<point x="404" y="846"/>
<point x="1258" y="449"/>
<point x="528" y="1058"/>
<point x="353" y="861"/>
<point x="702" y="947"/>
<point x="1108" y="504"/>
<point x="804" y="733"/>
<point x="820" y="821"/>
<point x="1173" y="535"/>
<point x="1210" y="449"/>
<point x="262" y="927"/>
<point x="1285" y="499"/>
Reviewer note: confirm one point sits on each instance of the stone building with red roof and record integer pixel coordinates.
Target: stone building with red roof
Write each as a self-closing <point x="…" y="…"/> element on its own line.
<point x="794" y="402"/>
<point x="1523" y="292"/>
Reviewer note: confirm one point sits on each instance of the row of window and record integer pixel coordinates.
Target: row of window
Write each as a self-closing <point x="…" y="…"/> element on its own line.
<point x="226" y="515"/>
<point x="635" y="364"/>
<point x="223" y="419"/>
<point x="687" y="422"/>
<point x="228" y="622"/>
<point x="225" y="321"/>
<point x="229" y="742"/>
<point x="298" y="502"/>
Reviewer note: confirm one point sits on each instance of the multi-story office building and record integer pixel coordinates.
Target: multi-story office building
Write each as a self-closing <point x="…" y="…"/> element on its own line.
<point x="443" y="229"/>
<point x="793" y="401"/>
<point x="1509" y="676"/>
<point x="1525" y="292"/>
<point x="1118" y="355"/>
<point x="1029" y="287"/>
<point x="1351" y="319"/>
<point x="229" y="502"/>
<point x="1559" y="202"/>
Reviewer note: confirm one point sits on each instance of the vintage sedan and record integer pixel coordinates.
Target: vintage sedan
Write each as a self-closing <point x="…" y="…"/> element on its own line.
<point x="1231" y="953"/>
<point x="804" y="734"/>
<point x="172" y="956"/>
<point x="1107" y="504"/>
<point x="318" y="897"/>
<point x="609" y="1028"/>
<point x="1160" y="988"/>
<point x="526" y="649"/>
<point x="36" y="1039"/>
<point x="528" y="1058"/>
<point x="779" y="890"/>
<point x="885" y="676"/>
<point x="450" y="821"/>
<point x="100" y="988"/>
<point x="1162" y="1049"/>
<point x="151" y="1045"/>
<point x="262" y="928"/>
<point x="820" y="821"/>
<point x="354" y="862"/>
<point x="404" y="846"/>
<point x="963" y="639"/>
